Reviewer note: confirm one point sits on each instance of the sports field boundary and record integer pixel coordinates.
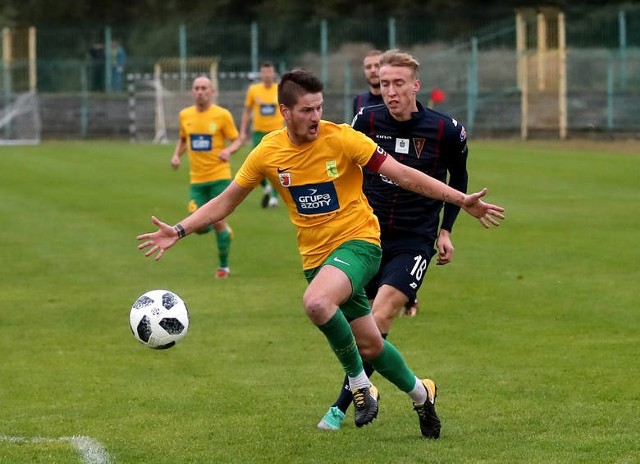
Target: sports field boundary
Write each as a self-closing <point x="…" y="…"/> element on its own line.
<point x="90" y="450"/>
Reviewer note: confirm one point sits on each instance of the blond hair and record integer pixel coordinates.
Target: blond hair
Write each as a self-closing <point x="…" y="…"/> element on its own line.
<point x="401" y="59"/>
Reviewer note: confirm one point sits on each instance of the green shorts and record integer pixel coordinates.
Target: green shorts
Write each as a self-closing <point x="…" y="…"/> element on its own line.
<point x="360" y="261"/>
<point x="257" y="137"/>
<point x="199" y="194"/>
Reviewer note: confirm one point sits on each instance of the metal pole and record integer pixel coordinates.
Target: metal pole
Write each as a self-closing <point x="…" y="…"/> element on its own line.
<point x="472" y="85"/>
<point x="521" y="30"/>
<point x="84" y="103"/>
<point x="182" y="37"/>
<point x="622" y="39"/>
<point x="392" y="33"/>
<point x="610" y="95"/>
<point x="324" y="47"/>
<point x="7" y="85"/>
<point x="131" y="88"/>
<point x="33" y="75"/>
<point x="562" y="76"/>
<point x="523" y="77"/>
<point x="542" y="50"/>
<point x="254" y="47"/>
<point x="108" y="59"/>
<point x="347" y="93"/>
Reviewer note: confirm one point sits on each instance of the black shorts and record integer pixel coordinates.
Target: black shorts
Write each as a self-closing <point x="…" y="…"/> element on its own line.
<point x="403" y="270"/>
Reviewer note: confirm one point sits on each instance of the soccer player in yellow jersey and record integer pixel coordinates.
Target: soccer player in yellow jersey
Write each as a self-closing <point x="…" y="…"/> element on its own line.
<point x="316" y="166"/>
<point x="261" y="105"/>
<point x="205" y="132"/>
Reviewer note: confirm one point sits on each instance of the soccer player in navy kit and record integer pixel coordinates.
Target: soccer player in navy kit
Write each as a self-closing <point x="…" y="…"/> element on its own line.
<point x="370" y="66"/>
<point x="430" y="142"/>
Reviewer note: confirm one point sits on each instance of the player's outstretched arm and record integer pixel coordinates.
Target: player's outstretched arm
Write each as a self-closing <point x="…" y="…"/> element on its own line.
<point x="211" y="212"/>
<point x="416" y="181"/>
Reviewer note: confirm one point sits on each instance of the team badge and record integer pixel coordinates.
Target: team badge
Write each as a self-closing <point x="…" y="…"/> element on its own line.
<point x="332" y="168"/>
<point x="418" y="144"/>
<point x="213" y="127"/>
<point x="402" y="146"/>
<point x="463" y="134"/>
<point x="284" y="178"/>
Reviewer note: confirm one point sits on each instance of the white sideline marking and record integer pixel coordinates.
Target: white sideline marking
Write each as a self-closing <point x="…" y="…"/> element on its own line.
<point x="90" y="450"/>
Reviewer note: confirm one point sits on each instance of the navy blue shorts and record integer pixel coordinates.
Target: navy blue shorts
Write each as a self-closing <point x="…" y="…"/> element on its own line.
<point x="403" y="270"/>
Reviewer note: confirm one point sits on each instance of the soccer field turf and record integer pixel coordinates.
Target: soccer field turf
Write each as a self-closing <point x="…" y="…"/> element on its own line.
<point x="531" y="333"/>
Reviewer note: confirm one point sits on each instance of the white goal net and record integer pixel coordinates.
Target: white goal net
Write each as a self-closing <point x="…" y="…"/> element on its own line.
<point x="20" y="122"/>
<point x="156" y="99"/>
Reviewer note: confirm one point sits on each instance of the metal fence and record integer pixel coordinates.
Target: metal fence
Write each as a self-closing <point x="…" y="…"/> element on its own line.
<point x="84" y="94"/>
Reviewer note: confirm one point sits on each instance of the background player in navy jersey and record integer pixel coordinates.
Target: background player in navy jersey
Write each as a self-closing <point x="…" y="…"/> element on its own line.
<point x="430" y="142"/>
<point x="370" y="66"/>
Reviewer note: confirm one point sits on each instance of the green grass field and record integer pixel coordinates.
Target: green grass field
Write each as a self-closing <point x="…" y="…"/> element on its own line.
<point x="532" y="333"/>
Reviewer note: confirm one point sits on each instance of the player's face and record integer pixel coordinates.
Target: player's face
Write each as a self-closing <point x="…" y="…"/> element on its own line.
<point x="399" y="87"/>
<point x="303" y="119"/>
<point x="267" y="75"/>
<point x="202" y="92"/>
<point x="371" y="67"/>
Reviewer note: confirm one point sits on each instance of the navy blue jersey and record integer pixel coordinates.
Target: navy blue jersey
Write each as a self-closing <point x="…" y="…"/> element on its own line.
<point x="365" y="99"/>
<point x="431" y="142"/>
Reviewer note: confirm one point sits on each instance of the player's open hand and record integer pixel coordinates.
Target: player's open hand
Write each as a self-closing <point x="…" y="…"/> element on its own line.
<point x="486" y="213"/>
<point x="158" y="241"/>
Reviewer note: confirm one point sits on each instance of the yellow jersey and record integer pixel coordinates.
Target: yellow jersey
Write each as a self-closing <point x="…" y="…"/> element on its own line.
<point x="206" y="133"/>
<point x="321" y="184"/>
<point x="265" y="109"/>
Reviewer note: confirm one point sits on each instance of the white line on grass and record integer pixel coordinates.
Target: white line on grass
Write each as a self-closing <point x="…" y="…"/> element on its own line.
<point x="90" y="450"/>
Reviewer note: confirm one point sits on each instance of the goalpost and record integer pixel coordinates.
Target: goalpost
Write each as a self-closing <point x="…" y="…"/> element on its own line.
<point x="158" y="98"/>
<point x="19" y="109"/>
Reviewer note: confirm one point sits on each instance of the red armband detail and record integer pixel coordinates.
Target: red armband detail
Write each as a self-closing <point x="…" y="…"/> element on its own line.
<point x="376" y="159"/>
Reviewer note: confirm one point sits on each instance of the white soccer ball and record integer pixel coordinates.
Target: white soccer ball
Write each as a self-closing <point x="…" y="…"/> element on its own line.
<point x="159" y="319"/>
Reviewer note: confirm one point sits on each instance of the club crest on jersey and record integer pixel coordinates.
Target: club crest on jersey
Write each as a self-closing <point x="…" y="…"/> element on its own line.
<point x="213" y="127"/>
<point x="418" y="144"/>
<point x="463" y="134"/>
<point x="402" y="146"/>
<point x="332" y="168"/>
<point x="284" y="178"/>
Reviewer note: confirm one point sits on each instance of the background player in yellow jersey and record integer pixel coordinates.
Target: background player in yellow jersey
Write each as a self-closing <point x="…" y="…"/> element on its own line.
<point x="261" y="105"/>
<point x="205" y="131"/>
<point x="317" y="167"/>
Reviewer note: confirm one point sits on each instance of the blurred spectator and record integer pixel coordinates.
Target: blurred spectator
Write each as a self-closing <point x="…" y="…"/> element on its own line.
<point x="118" y="58"/>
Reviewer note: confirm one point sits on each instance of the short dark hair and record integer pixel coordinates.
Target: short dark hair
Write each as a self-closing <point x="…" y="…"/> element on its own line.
<point x="295" y="83"/>
<point x="266" y="64"/>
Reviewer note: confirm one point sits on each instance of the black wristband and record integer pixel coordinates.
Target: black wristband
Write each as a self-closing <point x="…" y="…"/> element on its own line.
<point x="181" y="232"/>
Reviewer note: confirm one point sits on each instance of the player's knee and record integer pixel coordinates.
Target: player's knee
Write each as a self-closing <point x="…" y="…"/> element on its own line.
<point x="384" y="315"/>
<point x="317" y="307"/>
